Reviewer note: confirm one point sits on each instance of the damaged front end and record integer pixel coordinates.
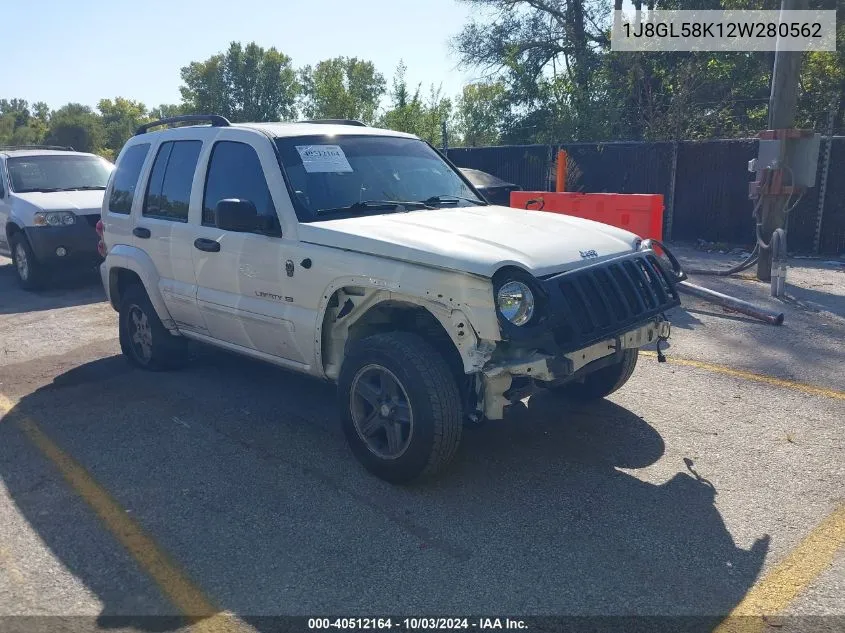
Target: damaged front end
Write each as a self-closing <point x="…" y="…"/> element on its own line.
<point x="584" y="320"/>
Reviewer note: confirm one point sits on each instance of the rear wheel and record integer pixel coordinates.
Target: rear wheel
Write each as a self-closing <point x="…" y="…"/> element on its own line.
<point x="144" y="341"/>
<point x="602" y="382"/>
<point x="400" y="406"/>
<point x="28" y="269"/>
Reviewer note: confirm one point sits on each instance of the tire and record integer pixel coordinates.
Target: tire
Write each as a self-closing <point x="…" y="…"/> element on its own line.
<point x="602" y="382"/>
<point x="144" y="341"/>
<point x="28" y="270"/>
<point x="421" y="412"/>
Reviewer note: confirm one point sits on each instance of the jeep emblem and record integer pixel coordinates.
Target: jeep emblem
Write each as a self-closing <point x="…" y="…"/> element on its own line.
<point x="588" y="254"/>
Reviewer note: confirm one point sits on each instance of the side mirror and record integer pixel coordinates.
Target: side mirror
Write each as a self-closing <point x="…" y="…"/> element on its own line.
<point x="233" y="214"/>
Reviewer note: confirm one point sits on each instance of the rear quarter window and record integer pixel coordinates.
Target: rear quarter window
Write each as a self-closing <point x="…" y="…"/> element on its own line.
<point x="169" y="188"/>
<point x="126" y="177"/>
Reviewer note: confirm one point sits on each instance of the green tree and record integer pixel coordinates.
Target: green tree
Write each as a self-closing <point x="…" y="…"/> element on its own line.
<point x="342" y="88"/>
<point x="482" y="111"/>
<point x="409" y="112"/>
<point x="77" y="126"/>
<point x="436" y="113"/>
<point x="18" y="109"/>
<point x="563" y="82"/>
<point x="406" y="109"/>
<point x="120" y="117"/>
<point x="20" y="124"/>
<point x="167" y="110"/>
<point x="40" y="120"/>
<point x="246" y="83"/>
<point x="547" y="52"/>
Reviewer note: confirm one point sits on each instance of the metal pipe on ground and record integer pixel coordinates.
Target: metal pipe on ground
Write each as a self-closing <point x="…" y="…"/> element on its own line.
<point x="732" y="303"/>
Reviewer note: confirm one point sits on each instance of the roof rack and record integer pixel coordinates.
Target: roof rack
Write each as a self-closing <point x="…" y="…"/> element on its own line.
<point x="214" y="119"/>
<point x="64" y="148"/>
<point x="336" y="122"/>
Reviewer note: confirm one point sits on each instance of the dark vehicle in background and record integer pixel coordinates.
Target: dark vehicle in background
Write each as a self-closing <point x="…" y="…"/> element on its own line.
<point x="495" y="190"/>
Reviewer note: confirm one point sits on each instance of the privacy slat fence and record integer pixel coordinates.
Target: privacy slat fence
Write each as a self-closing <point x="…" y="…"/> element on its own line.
<point x="709" y="199"/>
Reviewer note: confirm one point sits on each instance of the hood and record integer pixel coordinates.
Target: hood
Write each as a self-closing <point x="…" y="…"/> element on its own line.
<point x="477" y="240"/>
<point x="80" y="202"/>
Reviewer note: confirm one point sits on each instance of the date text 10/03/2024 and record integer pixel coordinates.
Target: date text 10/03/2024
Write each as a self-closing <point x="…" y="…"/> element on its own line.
<point x="417" y="624"/>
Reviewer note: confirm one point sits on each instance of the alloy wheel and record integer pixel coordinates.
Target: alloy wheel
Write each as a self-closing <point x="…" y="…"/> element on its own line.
<point x="140" y="334"/>
<point x="21" y="262"/>
<point x="381" y="411"/>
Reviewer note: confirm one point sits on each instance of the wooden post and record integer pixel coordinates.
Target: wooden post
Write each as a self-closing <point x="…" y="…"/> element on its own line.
<point x="561" y="171"/>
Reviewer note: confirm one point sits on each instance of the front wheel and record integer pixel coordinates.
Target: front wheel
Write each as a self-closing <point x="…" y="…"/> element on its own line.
<point x="400" y="406"/>
<point x="602" y="382"/>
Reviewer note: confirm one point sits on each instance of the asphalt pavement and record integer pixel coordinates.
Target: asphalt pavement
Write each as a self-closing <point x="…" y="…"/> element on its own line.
<point x="228" y="486"/>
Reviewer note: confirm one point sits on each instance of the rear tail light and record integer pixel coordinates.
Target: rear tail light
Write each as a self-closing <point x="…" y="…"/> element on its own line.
<point x="101" y="245"/>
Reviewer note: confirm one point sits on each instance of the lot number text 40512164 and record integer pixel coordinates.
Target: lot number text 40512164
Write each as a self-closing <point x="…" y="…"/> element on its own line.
<point x="418" y="624"/>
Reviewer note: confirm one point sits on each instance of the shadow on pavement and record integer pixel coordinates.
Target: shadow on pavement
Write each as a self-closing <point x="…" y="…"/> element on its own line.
<point x="74" y="287"/>
<point x="819" y="299"/>
<point x="240" y="472"/>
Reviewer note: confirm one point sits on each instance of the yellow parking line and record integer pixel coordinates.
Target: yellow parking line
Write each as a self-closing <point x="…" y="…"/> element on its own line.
<point x="172" y="581"/>
<point x="790" y="577"/>
<point x="747" y="375"/>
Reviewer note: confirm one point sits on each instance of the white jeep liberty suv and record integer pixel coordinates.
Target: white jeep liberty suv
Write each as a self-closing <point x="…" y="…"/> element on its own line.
<point x="361" y="256"/>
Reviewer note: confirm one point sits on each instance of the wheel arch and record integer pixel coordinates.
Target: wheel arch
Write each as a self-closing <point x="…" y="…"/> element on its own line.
<point x="126" y="265"/>
<point x="351" y="313"/>
<point x="11" y="229"/>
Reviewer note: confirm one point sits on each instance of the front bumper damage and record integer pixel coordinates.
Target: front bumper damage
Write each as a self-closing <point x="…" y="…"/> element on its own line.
<point x="589" y="317"/>
<point x="497" y="378"/>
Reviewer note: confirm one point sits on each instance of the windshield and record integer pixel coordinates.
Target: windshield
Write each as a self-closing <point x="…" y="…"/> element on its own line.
<point x="57" y="173"/>
<point x="336" y="176"/>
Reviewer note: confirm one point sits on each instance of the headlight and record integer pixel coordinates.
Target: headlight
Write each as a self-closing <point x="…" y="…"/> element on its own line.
<point x="54" y="218"/>
<point x="516" y="302"/>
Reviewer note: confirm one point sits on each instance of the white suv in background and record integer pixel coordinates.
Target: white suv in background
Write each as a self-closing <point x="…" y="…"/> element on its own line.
<point x="361" y="256"/>
<point x="50" y="200"/>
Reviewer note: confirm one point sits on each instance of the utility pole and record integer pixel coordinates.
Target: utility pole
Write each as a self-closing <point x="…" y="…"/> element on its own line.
<point x="782" y="103"/>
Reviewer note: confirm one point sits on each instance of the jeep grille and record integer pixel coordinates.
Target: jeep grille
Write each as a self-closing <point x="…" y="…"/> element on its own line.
<point x="603" y="300"/>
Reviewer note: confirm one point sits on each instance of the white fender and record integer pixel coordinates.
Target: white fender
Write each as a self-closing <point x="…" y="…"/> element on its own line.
<point x="136" y="260"/>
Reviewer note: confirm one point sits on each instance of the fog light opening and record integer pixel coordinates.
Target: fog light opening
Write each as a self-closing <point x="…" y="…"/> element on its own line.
<point x="61" y="251"/>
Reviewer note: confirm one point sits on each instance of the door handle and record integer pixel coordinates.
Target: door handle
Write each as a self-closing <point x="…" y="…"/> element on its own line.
<point x="140" y="231"/>
<point x="209" y="246"/>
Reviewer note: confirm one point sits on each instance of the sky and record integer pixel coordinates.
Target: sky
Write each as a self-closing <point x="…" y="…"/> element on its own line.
<point x="84" y="50"/>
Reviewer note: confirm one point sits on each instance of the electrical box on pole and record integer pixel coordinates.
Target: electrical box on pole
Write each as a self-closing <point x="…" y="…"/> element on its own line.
<point x="800" y="153"/>
<point x="786" y="163"/>
<point x="776" y="184"/>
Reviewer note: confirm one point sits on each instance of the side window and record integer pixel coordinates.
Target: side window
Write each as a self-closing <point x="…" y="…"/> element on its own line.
<point x="234" y="171"/>
<point x="126" y="178"/>
<point x="169" y="189"/>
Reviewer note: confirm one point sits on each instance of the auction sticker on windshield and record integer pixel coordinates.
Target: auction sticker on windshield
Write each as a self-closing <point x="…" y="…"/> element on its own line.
<point x="323" y="158"/>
